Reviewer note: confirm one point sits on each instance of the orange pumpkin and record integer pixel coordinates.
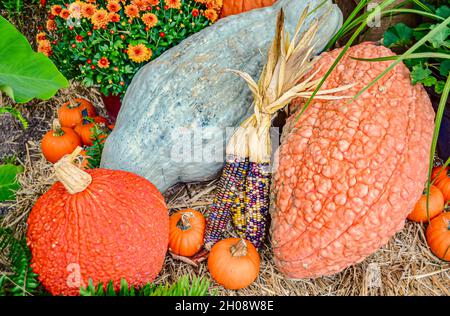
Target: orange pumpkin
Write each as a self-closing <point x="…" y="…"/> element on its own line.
<point x="71" y="113"/>
<point x="442" y="181"/>
<point x="187" y="228"/>
<point x="436" y="206"/>
<point x="232" y="7"/>
<point x="59" y="141"/>
<point x="438" y="236"/>
<point x="234" y="263"/>
<point x="97" y="224"/>
<point x="85" y="130"/>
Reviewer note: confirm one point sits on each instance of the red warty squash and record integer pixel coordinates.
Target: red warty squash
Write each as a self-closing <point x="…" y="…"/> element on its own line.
<point x="420" y="213"/>
<point x="59" y="141"/>
<point x="438" y="236"/>
<point x="348" y="173"/>
<point x="97" y="224"/>
<point x="232" y="7"/>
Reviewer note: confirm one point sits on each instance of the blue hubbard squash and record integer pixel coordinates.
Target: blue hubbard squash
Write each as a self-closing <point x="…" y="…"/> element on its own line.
<point x="188" y="90"/>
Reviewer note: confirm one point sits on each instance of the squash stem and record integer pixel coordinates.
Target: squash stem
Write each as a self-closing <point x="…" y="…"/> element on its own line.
<point x="56" y="128"/>
<point x="184" y="222"/>
<point x="73" y="178"/>
<point x="239" y="249"/>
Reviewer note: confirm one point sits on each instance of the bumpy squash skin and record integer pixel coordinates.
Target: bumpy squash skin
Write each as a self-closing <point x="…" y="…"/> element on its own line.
<point x="232" y="7"/>
<point x="117" y="228"/>
<point x="188" y="88"/>
<point x="348" y="174"/>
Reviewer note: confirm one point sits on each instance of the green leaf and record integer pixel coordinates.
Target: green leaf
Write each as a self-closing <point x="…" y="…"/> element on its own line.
<point x="444" y="69"/>
<point x="440" y="38"/>
<point x="25" y="74"/>
<point x="16" y="113"/>
<point x="399" y="35"/>
<point x="8" y="181"/>
<point x="443" y="11"/>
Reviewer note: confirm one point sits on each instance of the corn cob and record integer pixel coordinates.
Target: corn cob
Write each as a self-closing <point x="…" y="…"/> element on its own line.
<point x="238" y="208"/>
<point x="257" y="186"/>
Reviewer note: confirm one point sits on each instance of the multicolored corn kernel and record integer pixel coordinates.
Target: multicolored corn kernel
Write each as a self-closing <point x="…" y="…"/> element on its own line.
<point x="227" y="191"/>
<point x="257" y="199"/>
<point x="238" y="208"/>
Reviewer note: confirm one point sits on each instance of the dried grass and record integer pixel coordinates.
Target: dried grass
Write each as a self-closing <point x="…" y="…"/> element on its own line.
<point x="405" y="266"/>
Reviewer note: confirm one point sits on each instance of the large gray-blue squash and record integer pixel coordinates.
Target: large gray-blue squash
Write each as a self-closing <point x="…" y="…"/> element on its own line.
<point x="172" y="124"/>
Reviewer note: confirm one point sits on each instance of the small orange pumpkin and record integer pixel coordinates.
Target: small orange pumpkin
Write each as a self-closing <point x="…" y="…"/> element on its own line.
<point x="186" y="231"/>
<point x="442" y="181"/>
<point x="438" y="236"/>
<point x="436" y="206"/>
<point x="59" y="141"/>
<point x="71" y="112"/>
<point x="85" y="130"/>
<point x="234" y="263"/>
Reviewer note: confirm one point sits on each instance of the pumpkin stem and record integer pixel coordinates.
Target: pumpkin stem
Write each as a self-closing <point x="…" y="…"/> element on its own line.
<point x="73" y="178"/>
<point x="184" y="222"/>
<point x="56" y="128"/>
<point x="73" y="104"/>
<point x="239" y="249"/>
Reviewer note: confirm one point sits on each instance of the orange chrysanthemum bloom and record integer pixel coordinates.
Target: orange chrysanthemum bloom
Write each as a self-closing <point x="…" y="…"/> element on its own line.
<point x="100" y="18"/>
<point x="141" y="4"/>
<point x="41" y="36"/>
<point x="51" y="25"/>
<point x="214" y="4"/>
<point x="45" y="47"/>
<point x="113" y="6"/>
<point x="65" y="14"/>
<point x="132" y="11"/>
<point x="173" y="4"/>
<point x="200" y="1"/>
<point x="211" y="15"/>
<point x="149" y="19"/>
<point x="56" y="9"/>
<point x="139" y="53"/>
<point x="103" y="62"/>
<point x="153" y="2"/>
<point x="114" y="17"/>
<point x="88" y="10"/>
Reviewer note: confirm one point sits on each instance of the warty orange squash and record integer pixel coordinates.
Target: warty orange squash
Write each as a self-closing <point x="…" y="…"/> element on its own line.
<point x="97" y="224"/>
<point x="348" y="173"/>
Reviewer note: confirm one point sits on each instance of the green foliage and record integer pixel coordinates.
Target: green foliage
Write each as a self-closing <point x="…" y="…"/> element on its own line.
<point x="15" y="113"/>
<point x="22" y="281"/>
<point x="77" y="47"/>
<point x="8" y="181"/>
<point x="429" y="71"/>
<point x="15" y="7"/>
<point x="25" y="74"/>
<point x="184" y="286"/>
<point x="94" y="152"/>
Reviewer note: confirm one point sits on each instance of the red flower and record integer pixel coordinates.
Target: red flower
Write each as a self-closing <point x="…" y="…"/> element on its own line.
<point x="103" y="62"/>
<point x="89" y="61"/>
<point x="79" y="38"/>
<point x="89" y="33"/>
<point x="162" y="34"/>
<point x="166" y="7"/>
<point x="43" y="3"/>
<point x="92" y="67"/>
<point x="195" y="12"/>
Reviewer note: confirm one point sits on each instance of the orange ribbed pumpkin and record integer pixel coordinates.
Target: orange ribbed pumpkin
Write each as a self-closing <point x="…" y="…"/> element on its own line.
<point x="97" y="224"/>
<point x="232" y="7"/>
<point x="349" y="173"/>
<point x="420" y="213"/>
<point x="71" y="113"/>
<point x="438" y="236"/>
<point x="59" y="141"/>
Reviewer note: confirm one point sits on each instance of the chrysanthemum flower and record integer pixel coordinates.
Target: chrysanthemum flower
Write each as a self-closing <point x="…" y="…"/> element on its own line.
<point x="65" y="14"/>
<point x="45" y="47"/>
<point x="87" y="10"/>
<point x="100" y="18"/>
<point x="56" y="9"/>
<point x="132" y="11"/>
<point x="113" y="6"/>
<point x="150" y="19"/>
<point x="75" y="9"/>
<point x="211" y="15"/>
<point x="79" y="38"/>
<point x="41" y="36"/>
<point x="139" y="53"/>
<point x="141" y="4"/>
<point x="214" y="4"/>
<point x="103" y="62"/>
<point x="195" y="12"/>
<point x="173" y="4"/>
<point x="51" y="25"/>
<point x="114" y="17"/>
<point x="153" y="2"/>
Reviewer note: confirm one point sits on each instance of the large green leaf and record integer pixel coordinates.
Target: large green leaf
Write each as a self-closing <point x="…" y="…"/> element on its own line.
<point x="25" y="74"/>
<point x="8" y="181"/>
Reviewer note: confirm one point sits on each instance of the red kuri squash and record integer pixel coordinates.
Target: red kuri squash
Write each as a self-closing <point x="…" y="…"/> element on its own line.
<point x="232" y="7"/>
<point x="97" y="224"/>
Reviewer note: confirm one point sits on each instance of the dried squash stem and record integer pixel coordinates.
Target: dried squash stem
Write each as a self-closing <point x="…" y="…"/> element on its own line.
<point x="73" y="178"/>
